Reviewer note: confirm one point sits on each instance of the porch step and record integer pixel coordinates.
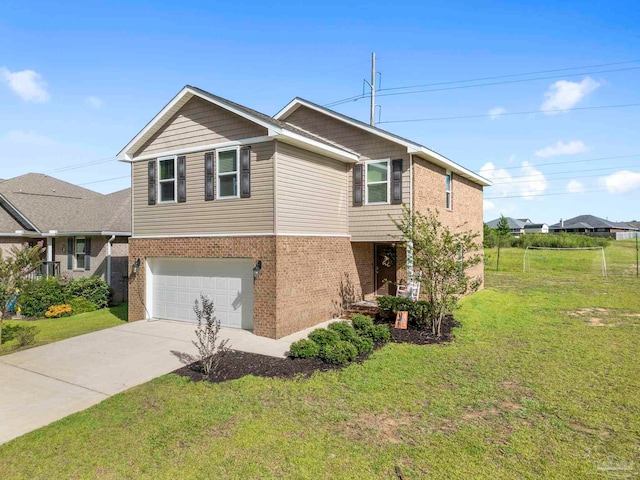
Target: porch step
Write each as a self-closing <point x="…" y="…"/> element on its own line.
<point x="364" y="308"/>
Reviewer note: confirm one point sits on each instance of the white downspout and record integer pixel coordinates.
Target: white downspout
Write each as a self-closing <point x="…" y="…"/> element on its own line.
<point x="410" y="244"/>
<point x="113" y="237"/>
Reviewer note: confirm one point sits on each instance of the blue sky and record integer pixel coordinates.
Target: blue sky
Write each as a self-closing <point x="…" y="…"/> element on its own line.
<point x="79" y="79"/>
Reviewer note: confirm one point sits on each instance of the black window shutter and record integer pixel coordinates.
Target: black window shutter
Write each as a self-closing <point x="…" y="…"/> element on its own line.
<point x="182" y="179"/>
<point x="70" y="253"/>
<point x="396" y="182"/>
<point x="209" y="180"/>
<point x="358" y="184"/>
<point x="87" y="253"/>
<point x="245" y="172"/>
<point x="152" y="182"/>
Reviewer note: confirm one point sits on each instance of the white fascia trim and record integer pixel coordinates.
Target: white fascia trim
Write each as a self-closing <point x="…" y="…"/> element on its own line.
<point x="330" y="151"/>
<point x="219" y="235"/>
<point x="125" y="153"/>
<point x="202" y="148"/>
<point x="452" y="166"/>
<point x="411" y="147"/>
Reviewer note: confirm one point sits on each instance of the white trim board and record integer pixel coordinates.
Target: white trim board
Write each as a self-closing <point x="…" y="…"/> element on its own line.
<point x="222" y="235"/>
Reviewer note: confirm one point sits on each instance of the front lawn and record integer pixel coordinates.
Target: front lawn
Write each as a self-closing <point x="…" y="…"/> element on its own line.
<point x="541" y="381"/>
<point x="54" y="329"/>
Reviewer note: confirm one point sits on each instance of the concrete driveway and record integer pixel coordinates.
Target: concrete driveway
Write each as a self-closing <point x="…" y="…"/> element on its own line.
<point x="46" y="383"/>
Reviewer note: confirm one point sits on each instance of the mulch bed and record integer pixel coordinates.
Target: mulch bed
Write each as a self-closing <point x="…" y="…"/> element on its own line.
<point x="239" y="364"/>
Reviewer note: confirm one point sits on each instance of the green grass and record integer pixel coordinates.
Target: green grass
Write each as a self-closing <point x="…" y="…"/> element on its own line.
<point x="54" y="329"/>
<point x="529" y="389"/>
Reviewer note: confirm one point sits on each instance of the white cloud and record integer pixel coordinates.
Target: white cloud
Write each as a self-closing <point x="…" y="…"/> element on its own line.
<point x="24" y="137"/>
<point x="94" y="102"/>
<point x="526" y="183"/>
<point x="621" y="182"/>
<point x="28" y="84"/>
<point x="488" y="205"/>
<point x="561" y="148"/>
<point x="563" y="94"/>
<point x="574" y="186"/>
<point x="495" y="112"/>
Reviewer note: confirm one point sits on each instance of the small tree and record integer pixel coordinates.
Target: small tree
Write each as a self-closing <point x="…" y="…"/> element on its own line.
<point x="503" y="232"/>
<point x="210" y="347"/>
<point x="441" y="260"/>
<point x="15" y="269"/>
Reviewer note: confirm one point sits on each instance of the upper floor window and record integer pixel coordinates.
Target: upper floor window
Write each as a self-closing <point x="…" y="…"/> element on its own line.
<point x="377" y="180"/>
<point x="167" y="179"/>
<point x="80" y="251"/>
<point x="448" y="190"/>
<point x="228" y="172"/>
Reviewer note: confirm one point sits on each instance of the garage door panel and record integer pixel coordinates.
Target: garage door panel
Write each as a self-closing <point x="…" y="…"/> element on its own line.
<point x="177" y="284"/>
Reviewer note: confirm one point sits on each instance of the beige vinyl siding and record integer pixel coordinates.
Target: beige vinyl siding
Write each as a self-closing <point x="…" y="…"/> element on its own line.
<point x="312" y="192"/>
<point x="371" y="223"/>
<point x="197" y="216"/>
<point x="197" y="123"/>
<point x="368" y="222"/>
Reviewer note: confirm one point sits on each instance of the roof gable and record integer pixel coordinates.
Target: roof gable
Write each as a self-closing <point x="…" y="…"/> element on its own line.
<point x="411" y="147"/>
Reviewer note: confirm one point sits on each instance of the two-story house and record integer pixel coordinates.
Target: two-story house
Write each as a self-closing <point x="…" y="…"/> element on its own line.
<point x="278" y="219"/>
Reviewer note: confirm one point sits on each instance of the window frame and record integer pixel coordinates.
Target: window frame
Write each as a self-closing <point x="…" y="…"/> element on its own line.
<point x="75" y="253"/>
<point x="174" y="179"/>
<point x="448" y="192"/>
<point x="366" y="181"/>
<point x="227" y="174"/>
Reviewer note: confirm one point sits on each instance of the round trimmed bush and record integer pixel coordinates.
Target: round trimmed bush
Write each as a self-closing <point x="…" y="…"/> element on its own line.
<point x="363" y="344"/>
<point x="380" y="333"/>
<point x="339" y="353"/>
<point x="304" y="348"/>
<point x="344" y="330"/>
<point x="361" y="323"/>
<point x="82" y="305"/>
<point x="323" y="337"/>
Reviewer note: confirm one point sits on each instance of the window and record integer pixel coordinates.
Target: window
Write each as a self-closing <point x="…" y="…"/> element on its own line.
<point x="448" y="190"/>
<point x="167" y="179"/>
<point x="377" y="175"/>
<point x="80" y="251"/>
<point x="227" y="173"/>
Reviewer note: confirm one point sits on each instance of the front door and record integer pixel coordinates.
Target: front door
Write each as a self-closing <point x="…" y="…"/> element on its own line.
<point x="385" y="269"/>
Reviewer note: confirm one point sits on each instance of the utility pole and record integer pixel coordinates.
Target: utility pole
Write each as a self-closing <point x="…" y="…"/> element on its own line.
<point x="373" y="89"/>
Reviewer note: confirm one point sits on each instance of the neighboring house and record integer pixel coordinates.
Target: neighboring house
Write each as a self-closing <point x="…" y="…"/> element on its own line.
<point x="84" y="232"/>
<point x="516" y="225"/>
<point x="592" y="226"/>
<point x="536" y="228"/>
<point x="281" y="220"/>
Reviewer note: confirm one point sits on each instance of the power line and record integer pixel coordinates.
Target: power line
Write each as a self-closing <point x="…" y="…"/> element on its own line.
<point x="563" y="172"/>
<point x="542" y="194"/>
<point x="572" y="177"/>
<point x="104" y="180"/>
<point x="531" y="112"/>
<point x="551" y="192"/>
<point x="358" y="97"/>
<point x="571" y="161"/>
<point x="81" y="165"/>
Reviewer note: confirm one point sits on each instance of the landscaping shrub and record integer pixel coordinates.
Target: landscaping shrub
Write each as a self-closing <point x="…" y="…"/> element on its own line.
<point x="339" y="353"/>
<point x="344" y="330"/>
<point x="26" y="336"/>
<point x="362" y="344"/>
<point x="57" y="311"/>
<point x="38" y="295"/>
<point x="419" y="311"/>
<point x="380" y="333"/>
<point x="93" y="289"/>
<point x="324" y="337"/>
<point x="82" y="305"/>
<point x="304" y="348"/>
<point x="361" y="323"/>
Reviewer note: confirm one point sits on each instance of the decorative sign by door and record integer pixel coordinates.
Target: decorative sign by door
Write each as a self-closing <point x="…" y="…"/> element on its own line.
<point x="402" y="320"/>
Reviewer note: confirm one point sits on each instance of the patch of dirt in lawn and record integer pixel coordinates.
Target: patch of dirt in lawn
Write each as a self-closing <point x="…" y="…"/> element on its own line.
<point x="591" y="431"/>
<point x="599" y="317"/>
<point x="386" y="427"/>
<point x="239" y="364"/>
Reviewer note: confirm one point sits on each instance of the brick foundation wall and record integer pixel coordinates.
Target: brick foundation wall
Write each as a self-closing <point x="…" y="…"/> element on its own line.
<point x="466" y="212"/>
<point x="256" y="248"/>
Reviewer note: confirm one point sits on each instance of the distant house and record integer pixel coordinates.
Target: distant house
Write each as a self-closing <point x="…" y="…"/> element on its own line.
<point x="85" y="233"/>
<point x="592" y="226"/>
<point x="536" y="228"/>
<point x="520" y="226"/>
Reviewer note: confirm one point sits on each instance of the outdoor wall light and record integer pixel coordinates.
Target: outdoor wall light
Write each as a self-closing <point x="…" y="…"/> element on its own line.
<point x="136" y="266"/>
<point x="257" y="269"/>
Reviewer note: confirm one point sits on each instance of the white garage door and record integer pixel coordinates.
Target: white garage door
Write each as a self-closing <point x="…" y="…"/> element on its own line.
<point x="177" y="282"/>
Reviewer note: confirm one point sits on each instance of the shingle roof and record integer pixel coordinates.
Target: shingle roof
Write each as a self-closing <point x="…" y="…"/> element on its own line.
<point x="8" y="224"/>
<point x="589" y="222"/>
<point x="514" y="223"/>
<point x="52" y="204"/>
